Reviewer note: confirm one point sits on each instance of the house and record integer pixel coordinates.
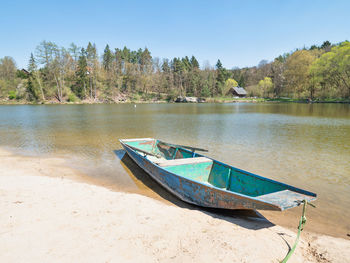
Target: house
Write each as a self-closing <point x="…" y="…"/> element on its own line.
<point x="25" y="71"/>
<point x="237" y="91"/>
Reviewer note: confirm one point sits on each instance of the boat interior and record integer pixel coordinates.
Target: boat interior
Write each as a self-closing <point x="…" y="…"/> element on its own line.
<point x="194" y="166"/>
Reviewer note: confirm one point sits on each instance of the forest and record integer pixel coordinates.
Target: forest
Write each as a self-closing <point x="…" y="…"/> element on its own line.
<point x="80" y="74"/>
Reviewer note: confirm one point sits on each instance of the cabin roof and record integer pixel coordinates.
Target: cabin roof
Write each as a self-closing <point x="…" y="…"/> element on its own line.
<point x="25" y="71"/>
<point x="240" y="90"/>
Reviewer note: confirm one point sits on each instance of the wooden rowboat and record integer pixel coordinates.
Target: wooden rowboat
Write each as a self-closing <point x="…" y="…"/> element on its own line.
<point x="202" y="181"/>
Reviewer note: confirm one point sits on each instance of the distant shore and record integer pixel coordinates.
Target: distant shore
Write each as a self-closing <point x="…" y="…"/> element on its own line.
<point x="48" y="215"/>
<point x="205" y="100"/>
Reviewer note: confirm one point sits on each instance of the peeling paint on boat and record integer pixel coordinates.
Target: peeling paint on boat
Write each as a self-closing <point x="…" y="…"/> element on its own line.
<point x="212" y="183"/>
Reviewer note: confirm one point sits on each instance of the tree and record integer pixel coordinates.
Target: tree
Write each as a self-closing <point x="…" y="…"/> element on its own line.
<point x="178" y="71"/>
<point x="107" y="58"/>
<point x="34" y="77"/>
<point x="145" y="61"/>
<point x="262" y="63"/>
<point x="165" y="66"/>
<point x="326" y="45"/>
<point x="79" y="88"/>
<point x="266" y="86"/>
<point x="8" y="78"/>
<point x="194" y="63"/>
<point x="92" y="67"/>
<point x="229" y="83"/>
<point x="332" y="70"/>
<point x="7" y="68"/>
<point x="278" y="77"/>
<point x="54" y="60"/>
<point x="297" y="72"/>
<point x="45" y="52"/>
<point x="56" y="72"/>
<point x="222" y="76"/>
<point x="74" y="51"/>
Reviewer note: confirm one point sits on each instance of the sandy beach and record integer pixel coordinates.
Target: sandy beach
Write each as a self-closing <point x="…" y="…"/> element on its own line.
<point x="47" y="216"/>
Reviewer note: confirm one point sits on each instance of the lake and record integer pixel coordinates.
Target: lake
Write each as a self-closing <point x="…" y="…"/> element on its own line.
<point x="305" y="145"/>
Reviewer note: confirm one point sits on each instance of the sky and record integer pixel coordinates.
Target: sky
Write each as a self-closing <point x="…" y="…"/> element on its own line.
<point x="239" y="33"/>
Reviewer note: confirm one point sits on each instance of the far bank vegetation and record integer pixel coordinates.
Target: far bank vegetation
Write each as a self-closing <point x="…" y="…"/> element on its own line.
<point x="73" y="74"/>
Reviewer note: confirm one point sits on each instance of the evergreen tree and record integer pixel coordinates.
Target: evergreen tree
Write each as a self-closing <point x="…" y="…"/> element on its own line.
<point x="92" y="64"/>
<point x="32" y="64"/>
<point x="31" y="90"/>
<point x="186" y="63"/>
<point x="126" y="54"/>
<point x="326" y="44"/>
<point x="194" y="63"/>
<point x="146" y="60"/>
<point x="218" y="65"/>
<point x="74" y="51"/>
<point x="91" y="52"/>
<point x="79" y="88"/>
<point x="107" y="58"/>
<point x="221" y="77"/>
<point x="166" y="66"/>
<point x="34" y="80"/>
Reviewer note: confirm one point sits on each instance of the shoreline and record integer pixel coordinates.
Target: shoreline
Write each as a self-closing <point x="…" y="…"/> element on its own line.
<point x="40" y="196"/>
<point x="207" y="100"/>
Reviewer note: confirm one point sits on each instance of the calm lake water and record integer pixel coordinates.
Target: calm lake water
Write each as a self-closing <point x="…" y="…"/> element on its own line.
<point x="307" y="146"/>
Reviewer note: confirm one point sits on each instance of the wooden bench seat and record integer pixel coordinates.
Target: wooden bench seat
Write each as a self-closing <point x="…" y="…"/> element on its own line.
<point x="164" y="163"/>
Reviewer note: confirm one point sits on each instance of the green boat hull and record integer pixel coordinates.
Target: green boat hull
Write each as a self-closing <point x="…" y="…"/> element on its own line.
<point x="202" y="181"/>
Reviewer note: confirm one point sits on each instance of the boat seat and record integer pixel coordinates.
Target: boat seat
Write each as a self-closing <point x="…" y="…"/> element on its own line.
<point x="164" y="163"/>
<point x="155" y="159"/>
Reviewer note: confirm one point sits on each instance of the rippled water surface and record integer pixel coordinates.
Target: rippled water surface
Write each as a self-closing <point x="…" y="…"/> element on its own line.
<point x="307" y="146"/>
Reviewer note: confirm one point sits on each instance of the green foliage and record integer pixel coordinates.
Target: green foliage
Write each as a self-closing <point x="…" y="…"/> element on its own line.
<point x="194" y="63"/>
<point x="7" y="68"/>
<point x="32" y="63"/>
<point x="326" y="45"/>
<point x="205" y="91"/>
<point x="107" y="58"/>
<point x="72" y="98"/>
<point x="9" y="78"/>
<point x="12" y="94"/>
<point x="56" y="73"/>
<point x="32" y="89"/>
<point x="331" y="72"/>
<point x="20" y="74"/>
<point x="229" y="83"/>
<point x="266" y="86"/>
<point x="297" y="72"/>
<point x="81" y="74"/>
<point x="222" y="76"/>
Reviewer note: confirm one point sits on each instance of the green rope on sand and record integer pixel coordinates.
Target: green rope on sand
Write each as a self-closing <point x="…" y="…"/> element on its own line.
<point x="302" y="223"/>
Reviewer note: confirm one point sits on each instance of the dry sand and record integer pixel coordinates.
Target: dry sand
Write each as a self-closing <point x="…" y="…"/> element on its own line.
<point x="56" y="219"/>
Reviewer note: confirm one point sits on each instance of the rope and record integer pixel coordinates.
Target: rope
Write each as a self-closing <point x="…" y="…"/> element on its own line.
<point x="302" y="223"/>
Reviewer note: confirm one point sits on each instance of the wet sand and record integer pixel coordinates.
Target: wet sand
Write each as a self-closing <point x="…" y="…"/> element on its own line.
<point x="50" y="214"/>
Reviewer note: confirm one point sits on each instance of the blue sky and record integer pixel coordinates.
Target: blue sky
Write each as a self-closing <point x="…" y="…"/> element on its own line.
<point x="239" y="33"/>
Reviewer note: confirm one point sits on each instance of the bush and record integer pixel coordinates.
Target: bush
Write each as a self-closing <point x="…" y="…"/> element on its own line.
<point x="72" y="98"/>
<point x="12" y="94"/>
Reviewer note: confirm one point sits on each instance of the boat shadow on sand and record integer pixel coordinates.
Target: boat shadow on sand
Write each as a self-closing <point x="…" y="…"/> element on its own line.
<point x="249" y="219"/>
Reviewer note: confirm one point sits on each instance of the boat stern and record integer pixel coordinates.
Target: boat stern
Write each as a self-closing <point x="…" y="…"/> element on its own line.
<point x="286" y="199"/>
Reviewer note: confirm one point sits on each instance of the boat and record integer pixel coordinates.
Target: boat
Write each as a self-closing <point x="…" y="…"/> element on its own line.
<point x="202" y="181"/>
